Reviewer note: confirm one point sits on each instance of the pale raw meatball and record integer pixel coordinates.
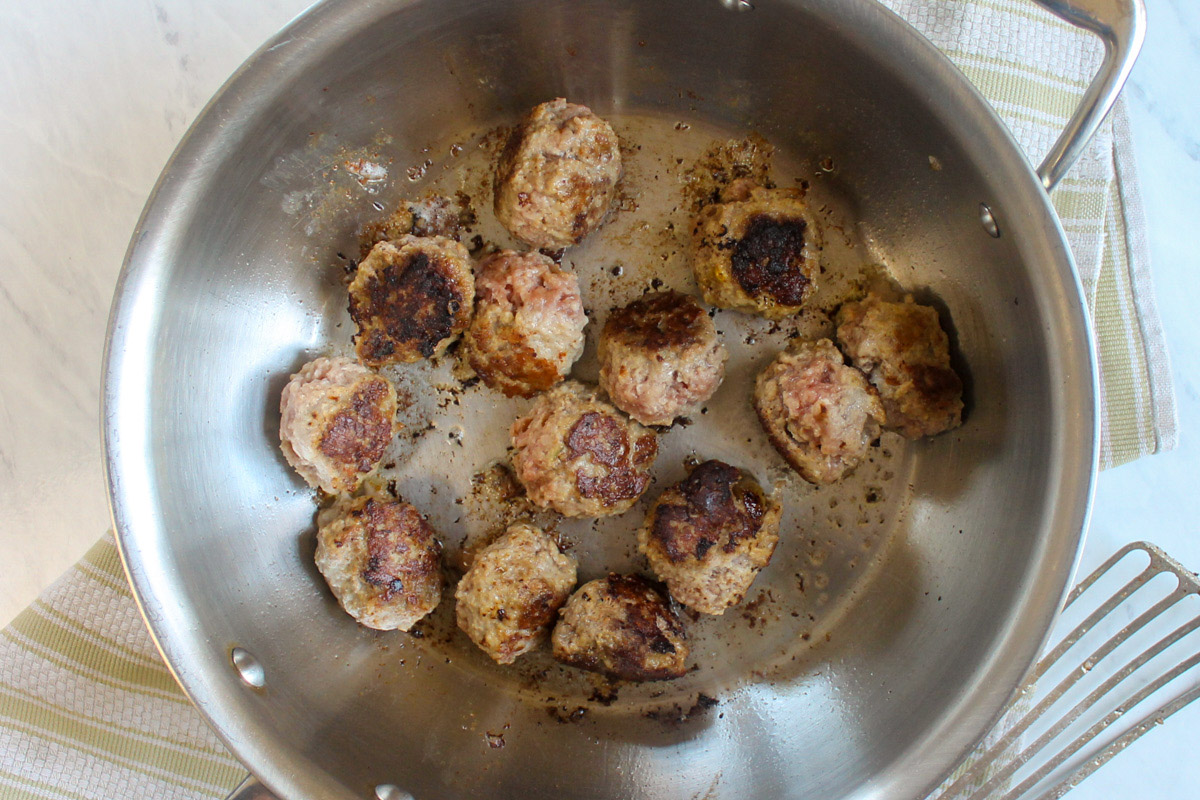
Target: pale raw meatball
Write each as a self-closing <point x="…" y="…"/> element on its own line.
<point x="337" y="418"/>
<point x="756" y="250"/>
<point x="622" y="627"/>
<point x="578" y="455"/>
<point x="528" y="325"/>
<point x="660" y="357"/>
<point x="557" y="176"/>
<point x="410" y="298"/>
<point x="820" y="414"/>
<point x="708" y="536"/>
<point x="508" y="600"/>
<point x="382" y="561"/>
<point x="906" y="355"/>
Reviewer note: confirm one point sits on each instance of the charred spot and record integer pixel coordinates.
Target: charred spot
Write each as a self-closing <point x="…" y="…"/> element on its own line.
<point x="717" y="504"/>
<point x="601" y="436"/>
<point x="649" y="625"/>
<point x="540" y="609"/>
<point x="638" y="636"/>
<point x="360" y="431"/>
<point x="413" y="305"/>
<point x="658" y="321"/>
<point x="579" y="226"/>
<point x="769" y="259"/>
<point x="613" y="488"/>
<point x="400" y="546"/>
<point x="752" y="501"/>
<point x="936" y="383"/>
<point x="645" y="449"/>
<point x="606" y="440"/>
<point x="709" y="487"/>
<point x="662" y="645"/>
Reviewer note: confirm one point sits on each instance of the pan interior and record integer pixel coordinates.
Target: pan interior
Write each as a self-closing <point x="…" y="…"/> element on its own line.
<point x="451" y="458"/>
<point x="891" y="597"/>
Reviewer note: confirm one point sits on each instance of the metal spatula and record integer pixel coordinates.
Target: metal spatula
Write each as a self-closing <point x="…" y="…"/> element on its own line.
<point x="1122" y="660"/>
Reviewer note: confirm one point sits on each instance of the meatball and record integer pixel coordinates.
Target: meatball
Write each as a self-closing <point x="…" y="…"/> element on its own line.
<point x="578" y="455"/>
<point x="623" y="627"/>
<point x="410" y="298"/>
<point x="820" y="414"/>
<point x="557" y="176"/>
<point x="382" y="561"/>
<point x="756" y="250"/>
<point x="336" y="419"/>
<point x="528" y="325"/>
<point x="660" y="357"/>
<point x="906" y="355"/>
<point x="708" y="536"/>
<point x="508" y="600"/>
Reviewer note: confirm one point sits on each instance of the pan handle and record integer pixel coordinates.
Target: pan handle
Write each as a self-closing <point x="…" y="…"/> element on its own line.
<point x="250" y="789"/>
<point x="1121" y="24"/>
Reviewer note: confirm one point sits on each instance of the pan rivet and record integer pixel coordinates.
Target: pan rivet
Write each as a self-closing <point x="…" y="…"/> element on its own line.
<point x="248" y="667"/>
<point x="989" y="221"/>
<point x="389" y="791"/>
<point x="738" y="5"/>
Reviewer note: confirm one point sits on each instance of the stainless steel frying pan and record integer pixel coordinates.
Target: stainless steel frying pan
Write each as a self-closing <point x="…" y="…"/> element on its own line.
<point x="902" y="608"/>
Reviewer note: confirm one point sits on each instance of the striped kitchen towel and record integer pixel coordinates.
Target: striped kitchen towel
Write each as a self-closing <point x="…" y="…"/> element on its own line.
<point x="1034" y="69"/>
<point x="88" y="711"/>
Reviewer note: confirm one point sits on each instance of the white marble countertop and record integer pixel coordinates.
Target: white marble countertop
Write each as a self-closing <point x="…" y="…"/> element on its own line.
<point x="94" y="97"/>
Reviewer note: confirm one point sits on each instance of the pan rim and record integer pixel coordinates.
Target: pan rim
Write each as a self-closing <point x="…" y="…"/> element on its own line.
<point x="928" y="760"/>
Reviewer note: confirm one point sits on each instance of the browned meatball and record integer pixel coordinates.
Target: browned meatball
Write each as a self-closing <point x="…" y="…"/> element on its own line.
<point x="623" y="627"/>
<point x="660" y="357"/>
<point x="820" y="414"/>
<point x="756" y="250"/>
<point x="558" y="175"/>
<point x="528" y="325"/>
<point x="580" y="456"/>
<point x="708" y="536"/>
<point x="336" y="419"/>
<point x="410" y="298"/>
<point x="508" y="600"/>
<point x="382" y="561"/>
<point x="906" y="355"/>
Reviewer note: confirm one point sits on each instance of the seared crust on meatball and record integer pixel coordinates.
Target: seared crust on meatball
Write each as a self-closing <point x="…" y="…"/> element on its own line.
<point x="820" y="414"/>
<point x="557" y="176"/>
<point x="578" y="455"/>
<point x="660" y="357"/>
<point x="382" y="561"/>
<point x="336" y="419"/>
<point x="756" y="250"/>
<point x="508" y="601"/>
<point x="708" y="536"/>
<point x="528" y="325"/>
<point x="906" y="355"/>
<point x="623" y="627"/>
<point x="410" y="298"/>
